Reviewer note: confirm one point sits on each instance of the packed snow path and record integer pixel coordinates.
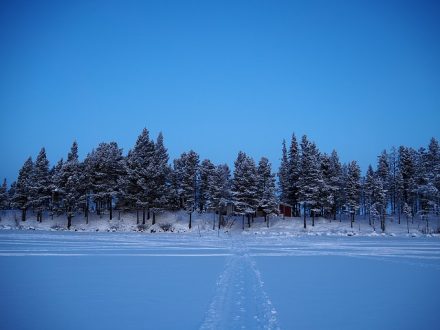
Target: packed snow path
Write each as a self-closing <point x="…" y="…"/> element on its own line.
<point x="240" y="301"/>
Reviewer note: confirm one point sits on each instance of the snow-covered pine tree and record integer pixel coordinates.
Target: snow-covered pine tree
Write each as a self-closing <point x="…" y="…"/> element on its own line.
<point x="104" y="167"/>
<point x="141" y="170"/>
<point x="40" y="188"/>
<point x="423" y="184"/>
<point x="4" y="196"/>
<point x="162" y="180"/>
<point x="11" y="193"/>
<point x="267" y="200"/>
<point x="68" y="183"/>
<point x="186" y="169"/>
<point x="310" y="180"/>
<point x="369" y="185"/>
<point x="406" y="210"/>
<point x="353" y="187"/>
<point x="207" y="172"/>
<point x="398" y="186"/>
<point x="283" y="175"/>
<point x="129" y="187"/>
<point x="406" y="165"/>
<point x="379" y="198"/>
<point x="392" y="183"/>
<point x="383" y="171"/>
<point x="293" y="176"/>
<point x="244" y="186"/>
<point x="335" y="183"/>
<point x="22" y="189"/>
<point x="220" y="190"/>
<point x="433" y="175"/>
<point x="326" y="198"/>
<point x="56" y="206"/>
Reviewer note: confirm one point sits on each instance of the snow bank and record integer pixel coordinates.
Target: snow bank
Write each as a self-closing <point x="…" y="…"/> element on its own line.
<point x="207" y="223"/>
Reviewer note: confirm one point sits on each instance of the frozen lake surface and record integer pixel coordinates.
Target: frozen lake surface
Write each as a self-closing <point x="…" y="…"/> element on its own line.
<point x="60" y="280"/>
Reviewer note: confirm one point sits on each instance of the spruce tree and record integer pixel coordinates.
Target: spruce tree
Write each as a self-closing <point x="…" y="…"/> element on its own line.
<point x="22" y="189"/>
<point x="40" y="189"/>
<point x="352" y="187"/>
<point x="161" y="178"/>
<point x="283" y="175"/>
<point x="4" y="196"/>
<point x="186" y="169"/>
<point x="207" y="172"/>
<point x="220" y="190"/>
<point x="369" y="186"/>
<point x="335" y="183"/>
<point x="104" y="167"/>
<point x="383" y="171"/>
<point x="266" y="188"/>
<point x="392" y="184"/>
<point x="244" y="187"/>
<point x="56" y="206"/>
<point x="310" y="181"/>
<point x="406" y="165"/>
<point x="293" y="176"/>
<point x="68" y="183"/>
<point x="141" y="170"/>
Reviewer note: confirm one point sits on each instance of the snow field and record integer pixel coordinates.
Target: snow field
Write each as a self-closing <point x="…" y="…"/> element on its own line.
<point x="84" y="280"/>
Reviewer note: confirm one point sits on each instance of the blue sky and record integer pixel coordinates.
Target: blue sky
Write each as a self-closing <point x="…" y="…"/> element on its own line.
<point x="218" y="76"/>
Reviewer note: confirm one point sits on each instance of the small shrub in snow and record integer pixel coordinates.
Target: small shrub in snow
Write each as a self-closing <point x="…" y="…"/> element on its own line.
<point x="166" y="227"/>
<point x="141" y="227"/>
<point x="56" y="227"/>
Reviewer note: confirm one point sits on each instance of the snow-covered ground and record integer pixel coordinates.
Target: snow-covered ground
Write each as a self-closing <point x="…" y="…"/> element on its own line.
<point x="206" y="223"/>
<point x="210" y="280"/>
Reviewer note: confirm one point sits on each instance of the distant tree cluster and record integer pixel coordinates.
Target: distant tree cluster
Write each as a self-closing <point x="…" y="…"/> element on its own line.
<point x="405" y="182"/>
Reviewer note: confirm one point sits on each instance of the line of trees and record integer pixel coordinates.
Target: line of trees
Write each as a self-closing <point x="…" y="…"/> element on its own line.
<point x="405" y="182"/>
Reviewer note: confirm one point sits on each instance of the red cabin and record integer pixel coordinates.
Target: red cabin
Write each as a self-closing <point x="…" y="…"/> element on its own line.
<point x="285" y="209"/>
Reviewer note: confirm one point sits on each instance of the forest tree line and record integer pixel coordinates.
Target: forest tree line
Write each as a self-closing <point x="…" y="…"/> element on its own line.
<point x="404" y="182"/>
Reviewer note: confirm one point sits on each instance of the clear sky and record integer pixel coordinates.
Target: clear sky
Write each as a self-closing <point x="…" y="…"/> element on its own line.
<point x="218" y="76"/>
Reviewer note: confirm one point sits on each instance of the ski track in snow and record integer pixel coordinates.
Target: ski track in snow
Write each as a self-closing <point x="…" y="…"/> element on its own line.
<point x="240" y="301"/>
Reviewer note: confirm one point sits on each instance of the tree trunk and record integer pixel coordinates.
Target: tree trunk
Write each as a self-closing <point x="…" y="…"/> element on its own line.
<point x="305" y="224"/>
<point x="213" y="222"/>
<point x="148" y="213"/>
<point x="143" y="216"/>
<point x="69" y="220"/>
<point x="110" y="208"/>
<point x="249" y="220"/>
<point x="313" y="218"/>
<point x="23" y="214"/>
<point x="154" y="218"/>
<point x="243" y="221"/>
<point x="220" y="220"/>
<point x="137" y="217"/>
<point x="86" y="211"/>
<point x="190" y="220"/>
